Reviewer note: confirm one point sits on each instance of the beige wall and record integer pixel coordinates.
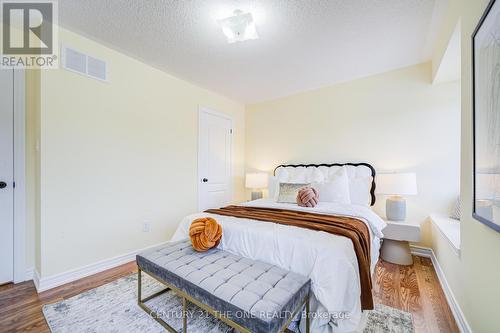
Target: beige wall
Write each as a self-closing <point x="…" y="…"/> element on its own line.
<point x="395" y="121"/>
<point x="114" y="155"/>
<point x="448" y="25"/>
<point x="474" y="276"/>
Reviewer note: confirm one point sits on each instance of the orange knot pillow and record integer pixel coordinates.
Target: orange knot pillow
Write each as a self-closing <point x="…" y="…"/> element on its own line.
<point x="205" y="233"/>
<point x="307" y="197"/>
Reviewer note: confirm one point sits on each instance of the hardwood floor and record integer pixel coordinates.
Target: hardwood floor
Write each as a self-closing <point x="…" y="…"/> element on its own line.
<point x="414" y="289"/>
<point x="21" y="306"/>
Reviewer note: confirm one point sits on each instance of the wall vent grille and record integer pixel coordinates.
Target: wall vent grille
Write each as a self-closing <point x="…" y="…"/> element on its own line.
<point x="78" y="62"/>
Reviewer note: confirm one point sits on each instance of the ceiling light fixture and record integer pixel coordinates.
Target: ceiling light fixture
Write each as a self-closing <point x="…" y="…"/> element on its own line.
<point x="239" y="27"/>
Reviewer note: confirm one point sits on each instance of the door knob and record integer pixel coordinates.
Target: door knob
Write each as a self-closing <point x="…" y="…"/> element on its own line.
<point x="204" y="180"/>
<point x="3" y="184"/>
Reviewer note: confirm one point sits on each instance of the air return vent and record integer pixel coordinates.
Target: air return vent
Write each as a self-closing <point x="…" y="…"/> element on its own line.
<point x="96" y="68"/>
<point x="75" y="61"/>
<point x="81" y="63"/>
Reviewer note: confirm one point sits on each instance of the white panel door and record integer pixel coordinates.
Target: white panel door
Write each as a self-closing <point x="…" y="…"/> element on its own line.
<point x="214" y="160"/>
<point x="6" y="175"/>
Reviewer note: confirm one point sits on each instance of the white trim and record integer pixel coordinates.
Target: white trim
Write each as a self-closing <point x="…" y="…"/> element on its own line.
<point x="202" y="109"/>
<point x="462" y="324"/>
<point x="421" y="251"/>
<point x="36" y="279"/>
<point x="30" y="273"/>
<point x="214" y="113"/>
<point x="19" y="178"/>
<point x="46" y="283"/>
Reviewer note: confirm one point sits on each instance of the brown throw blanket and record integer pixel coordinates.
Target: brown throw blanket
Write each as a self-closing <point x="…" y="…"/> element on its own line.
<point x="352" y="228"/>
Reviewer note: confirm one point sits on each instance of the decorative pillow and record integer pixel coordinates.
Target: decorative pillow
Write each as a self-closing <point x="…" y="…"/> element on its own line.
<point x="336" y="190"/>
<point x="307" y="197"/>
<point x="288" y="192"/>
<point x="456" y="213"/>
<point x="205" y="233"/>
<point x="274" y="184"/>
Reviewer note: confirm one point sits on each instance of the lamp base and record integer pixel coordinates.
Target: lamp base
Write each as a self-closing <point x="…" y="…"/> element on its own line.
<point x="256" y="195"/>
<point x="395" y="208"/>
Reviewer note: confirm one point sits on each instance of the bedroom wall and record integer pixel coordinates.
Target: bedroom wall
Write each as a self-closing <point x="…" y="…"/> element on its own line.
<point x="117" y="154"/>
<point x="473" y="276"/>
<point x="397" y="121"/>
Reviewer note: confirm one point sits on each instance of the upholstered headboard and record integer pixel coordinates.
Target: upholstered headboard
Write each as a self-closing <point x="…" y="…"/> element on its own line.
<point x="363" y="168"/>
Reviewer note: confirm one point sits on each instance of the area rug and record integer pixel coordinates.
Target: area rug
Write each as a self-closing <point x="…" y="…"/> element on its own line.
<point x="113" y="308"/>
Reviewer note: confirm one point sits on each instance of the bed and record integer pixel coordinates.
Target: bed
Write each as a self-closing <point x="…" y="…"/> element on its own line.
<point x="328" y="259"/>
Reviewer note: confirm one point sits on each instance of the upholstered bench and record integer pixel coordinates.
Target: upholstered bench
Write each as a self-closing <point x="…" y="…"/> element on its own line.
<point x="248" y="295"/>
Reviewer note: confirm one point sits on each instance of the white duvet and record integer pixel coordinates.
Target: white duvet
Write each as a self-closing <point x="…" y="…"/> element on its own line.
<point x="329" y="260"/>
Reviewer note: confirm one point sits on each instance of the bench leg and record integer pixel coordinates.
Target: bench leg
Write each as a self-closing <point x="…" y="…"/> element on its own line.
<point x="184" y="315"/>
<point x="139" y="285"/>
<point x="308" y="317"/>
<point x="299" y="312"/>
<point x="149" y="311"/>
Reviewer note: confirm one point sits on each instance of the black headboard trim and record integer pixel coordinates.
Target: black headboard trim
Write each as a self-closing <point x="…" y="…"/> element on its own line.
<point x="372" y="190"/>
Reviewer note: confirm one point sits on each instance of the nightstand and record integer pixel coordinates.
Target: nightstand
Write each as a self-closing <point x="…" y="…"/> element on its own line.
<point x="396" y="247"/>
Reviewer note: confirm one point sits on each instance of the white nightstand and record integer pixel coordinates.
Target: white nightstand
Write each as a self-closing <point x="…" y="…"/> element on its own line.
<point x="396" y="247"/>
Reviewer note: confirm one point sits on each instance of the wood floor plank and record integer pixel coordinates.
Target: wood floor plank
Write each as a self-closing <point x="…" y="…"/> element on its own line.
<point x="389" y="285"/>
<point x="423" y="320"/>
<point x="414" y="289"/>
<point x="411" y="296"/>
<point x="435" y="298"/>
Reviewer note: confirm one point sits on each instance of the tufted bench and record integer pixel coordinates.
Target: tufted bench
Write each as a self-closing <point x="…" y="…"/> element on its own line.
<point x="248" y="295"/>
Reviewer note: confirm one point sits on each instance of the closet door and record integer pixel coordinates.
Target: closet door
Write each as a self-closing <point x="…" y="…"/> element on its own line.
<point x="6" y="176"/>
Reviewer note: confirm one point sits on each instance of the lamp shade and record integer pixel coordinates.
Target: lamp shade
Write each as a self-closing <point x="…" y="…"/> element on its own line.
<point x="256" y="180"/>
<point x="397" y="183"/>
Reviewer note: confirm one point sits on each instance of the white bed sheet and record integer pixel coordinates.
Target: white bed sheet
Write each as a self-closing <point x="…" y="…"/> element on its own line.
<point x="329" y="260"/>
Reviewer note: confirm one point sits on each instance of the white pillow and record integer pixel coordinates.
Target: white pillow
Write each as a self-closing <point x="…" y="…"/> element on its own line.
<point x="297" y="175"/>
<point x="316" y="176"/>
<point x="456" y="214"/>
<point x="359" y="189"/>
<point x="271" y="186"/>
<point x="336" y="190"/>
<point x="274" y="183"/>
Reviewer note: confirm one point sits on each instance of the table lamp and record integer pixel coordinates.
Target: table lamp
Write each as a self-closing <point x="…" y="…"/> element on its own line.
<point x="396" y="185"/>
<point x="256" y="182"/>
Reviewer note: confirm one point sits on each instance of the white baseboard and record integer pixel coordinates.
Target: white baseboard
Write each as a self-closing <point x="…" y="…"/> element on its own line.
<point x="462" y="324"/>
<point x="46" y="283"/>
<point x="29" y="274"/>
<point x="420" y="251"/>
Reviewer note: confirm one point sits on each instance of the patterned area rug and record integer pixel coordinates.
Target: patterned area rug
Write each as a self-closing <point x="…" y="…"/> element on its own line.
<point x="113" y="308"/>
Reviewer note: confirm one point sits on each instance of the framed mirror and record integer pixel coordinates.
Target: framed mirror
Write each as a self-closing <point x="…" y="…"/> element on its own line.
<point x="486" y="117"/>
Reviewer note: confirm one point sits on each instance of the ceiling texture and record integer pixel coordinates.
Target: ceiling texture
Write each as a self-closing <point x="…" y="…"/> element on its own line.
<point x="303" y="44"/>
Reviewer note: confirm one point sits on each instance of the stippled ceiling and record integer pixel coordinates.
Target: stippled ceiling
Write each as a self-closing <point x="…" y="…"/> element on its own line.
<point x="303" y="44"/>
